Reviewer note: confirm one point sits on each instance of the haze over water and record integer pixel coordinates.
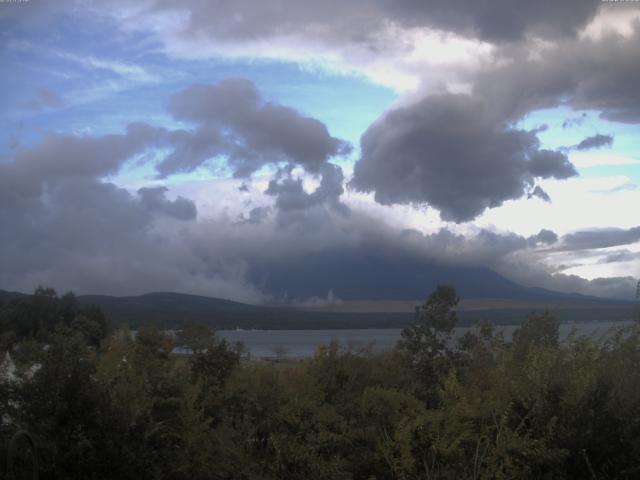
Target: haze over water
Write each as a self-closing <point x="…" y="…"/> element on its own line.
<point x="303" y="343"/>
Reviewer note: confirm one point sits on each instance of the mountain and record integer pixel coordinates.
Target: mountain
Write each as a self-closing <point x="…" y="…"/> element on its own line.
<point x="374" y="291"/>
<point x="7" y="296"/>
<point x="171" y="310"/>
<point x="356" y="275"/>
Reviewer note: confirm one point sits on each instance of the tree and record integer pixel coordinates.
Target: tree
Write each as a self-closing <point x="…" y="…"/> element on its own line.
<point x="427" y="342"/>
<point x="196" y="337"/>
<point x="214" y="365"/>
<point x="65" y="409"/>
<point x="538" y="330"/>
<point x="38" y="316"/>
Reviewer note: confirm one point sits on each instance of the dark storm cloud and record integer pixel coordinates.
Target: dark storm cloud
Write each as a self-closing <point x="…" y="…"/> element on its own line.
<point x="483" y="248"/>
<point x="462" y="154"/>
<point x="371" y="260"/>
<point x="237" y="123"/>
<point x="530" y="274"/>
<point x="65" y="225"/>
<point x="445" y="256"/>
<point x="539" y="192"/>
<point x="81" y="232"/>
<point x="358" y="21"/>
<point x="154" y="198"/>
<point x="440" y="169"/>
<point x="59" y="157"/>
<point x="543" y="237"/>
<point x="256" y="215"/>
<point x="84" y="233"/>
<point x="191" y="149"/>
<point x="497" y="20"/>
<point x="292" y="201"/>
<point x="601" y="238"/>
<point x="234" y="122"/>
<point x="72" y="228"/>
<point x="88" y="235"/>
<point x="583" y="73"/>
<point x="606" y="74"/>
<point x="595" y="141"/>
<point x="450" y="152"/>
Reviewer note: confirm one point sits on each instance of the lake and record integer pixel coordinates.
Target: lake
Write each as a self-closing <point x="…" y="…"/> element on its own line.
<point x="303" y="343"/>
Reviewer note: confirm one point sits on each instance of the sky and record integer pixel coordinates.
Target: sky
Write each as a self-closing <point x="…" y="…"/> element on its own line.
<point x="184" y="145"/>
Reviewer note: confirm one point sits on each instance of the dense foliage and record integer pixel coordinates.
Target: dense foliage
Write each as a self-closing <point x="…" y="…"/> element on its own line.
<point x="479" y="407"/>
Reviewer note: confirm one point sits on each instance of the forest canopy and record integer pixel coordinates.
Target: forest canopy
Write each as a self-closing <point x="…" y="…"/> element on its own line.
<point x="103" y="403"/>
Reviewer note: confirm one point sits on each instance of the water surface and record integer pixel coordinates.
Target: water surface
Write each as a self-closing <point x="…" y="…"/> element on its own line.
<point x="303" y="343"/>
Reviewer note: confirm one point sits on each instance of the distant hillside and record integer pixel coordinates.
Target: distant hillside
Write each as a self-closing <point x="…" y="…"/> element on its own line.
<point x="6" y="296"/>
<point x="170" y="310"/>
<point x="355" y="275"/>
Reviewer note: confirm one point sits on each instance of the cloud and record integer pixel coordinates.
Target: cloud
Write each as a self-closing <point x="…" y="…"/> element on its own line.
<point x="620" y="256"/>
<point x="593" y="159"/>
<point x="84" y="233"/>
<point x="256" y="215"/>
<point x="72" y="228"/>
<point x="358" y="20"/>
<point x="527" y="273"/>
<point x="190" y="149"/>
<point x="399" y="43"/>
<point x="90" y="236"/>
<point x="582" y="73"/>
<point x="540" y="193"/>
<point x="154" y="198"/>
<point x="600" y="238"/>
<point x="293" y="203"/>
<point x="371" y="260"/>
<point x="132" y="72"/>
<point x="234" y="121"/>
<point x="59" y="157"/>
<point x="463" y="154"/>
<point x="498" y="21"/>
<point x="543" y="237"/>
<point x="451" y="152"/>
<point x="459" y="153"/>
<point x="595" y="141"/>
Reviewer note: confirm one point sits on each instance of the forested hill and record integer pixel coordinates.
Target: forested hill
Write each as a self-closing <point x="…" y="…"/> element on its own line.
<point x="104" y="404"/>
<point x="170" y="310"/>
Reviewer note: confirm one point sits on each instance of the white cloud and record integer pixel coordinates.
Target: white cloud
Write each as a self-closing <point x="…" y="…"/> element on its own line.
<point x="598" y="159"/>
<point x="129" y="71"/>
<point x="617" y="17"/>
<point x="402" y="58"/>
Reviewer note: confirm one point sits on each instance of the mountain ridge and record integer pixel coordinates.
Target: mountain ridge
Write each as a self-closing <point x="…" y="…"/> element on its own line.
<point x="171" y="310"/>
<point x="357" y="275"/>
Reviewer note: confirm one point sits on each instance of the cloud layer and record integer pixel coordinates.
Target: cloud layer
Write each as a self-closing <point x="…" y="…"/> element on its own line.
<point x="450" y="152"/>
<point x="472" y="72"/>
<point x="235" y="122"/>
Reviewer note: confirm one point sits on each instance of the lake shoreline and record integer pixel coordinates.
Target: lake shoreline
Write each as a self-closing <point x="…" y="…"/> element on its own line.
<point x="302" y="343"/>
